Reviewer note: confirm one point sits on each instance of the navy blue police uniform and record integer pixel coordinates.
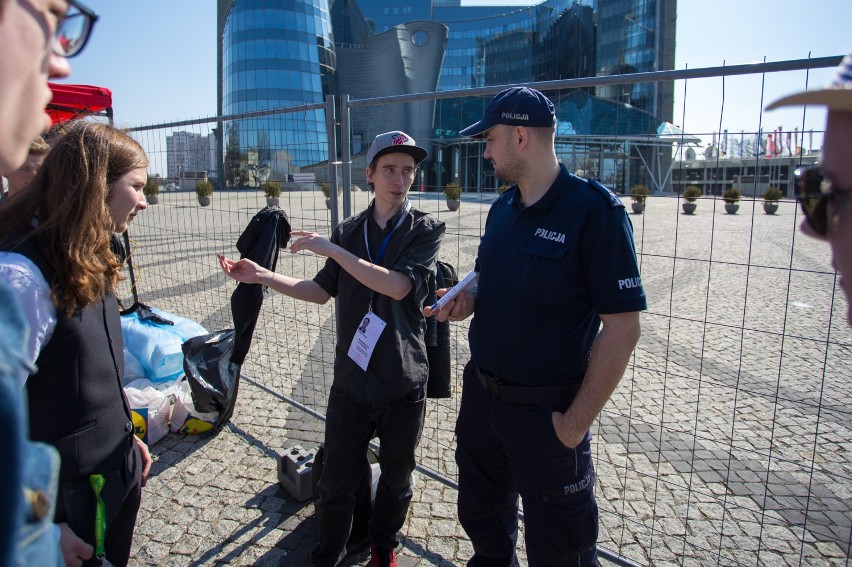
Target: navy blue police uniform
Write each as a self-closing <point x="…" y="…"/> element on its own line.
<point x="546" y="274"/>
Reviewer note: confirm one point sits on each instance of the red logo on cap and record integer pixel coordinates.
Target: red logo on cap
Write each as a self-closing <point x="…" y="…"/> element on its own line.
<point x="398" y="140"/>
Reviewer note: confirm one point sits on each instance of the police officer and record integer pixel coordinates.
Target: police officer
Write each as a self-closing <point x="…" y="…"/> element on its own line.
<point x="556" y="317"/>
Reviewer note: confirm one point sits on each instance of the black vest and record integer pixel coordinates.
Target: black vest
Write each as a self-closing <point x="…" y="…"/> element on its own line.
<point x="76" y="400"/>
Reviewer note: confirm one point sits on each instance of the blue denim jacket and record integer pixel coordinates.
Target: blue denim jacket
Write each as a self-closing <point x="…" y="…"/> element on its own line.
<point x="30" y="473"/>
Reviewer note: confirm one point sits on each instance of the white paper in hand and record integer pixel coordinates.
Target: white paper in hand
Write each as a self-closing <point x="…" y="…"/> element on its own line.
<point x="451" y="294"/>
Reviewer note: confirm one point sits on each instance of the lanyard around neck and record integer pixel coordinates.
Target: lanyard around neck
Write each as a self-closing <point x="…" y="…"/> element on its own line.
<point x="380" y="253"/>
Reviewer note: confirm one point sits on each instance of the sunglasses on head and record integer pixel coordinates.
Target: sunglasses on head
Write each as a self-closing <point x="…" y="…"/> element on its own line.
<point x="73" y="30"/>
<point x="814" y="194"/>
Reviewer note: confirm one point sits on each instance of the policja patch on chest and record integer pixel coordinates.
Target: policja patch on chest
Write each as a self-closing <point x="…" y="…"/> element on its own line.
<point x="550" y="235"/>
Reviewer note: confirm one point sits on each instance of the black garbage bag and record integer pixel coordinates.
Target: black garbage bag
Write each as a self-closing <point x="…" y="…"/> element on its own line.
<point x="213" y="378"/>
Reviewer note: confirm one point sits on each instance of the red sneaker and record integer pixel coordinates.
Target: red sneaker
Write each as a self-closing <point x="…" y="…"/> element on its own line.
<point x="382" y="557"/>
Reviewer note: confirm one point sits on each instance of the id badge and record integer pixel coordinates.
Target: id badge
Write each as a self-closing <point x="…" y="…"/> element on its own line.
<point x="365" y="339"/>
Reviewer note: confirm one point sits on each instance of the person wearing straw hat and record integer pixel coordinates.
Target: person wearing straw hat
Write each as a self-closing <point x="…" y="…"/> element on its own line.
<point x="378" y="264"/>
<point x="824" y="192"/>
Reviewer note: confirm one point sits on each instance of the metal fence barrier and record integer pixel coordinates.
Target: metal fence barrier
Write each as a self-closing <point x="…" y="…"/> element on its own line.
<point x="727" y="441"/>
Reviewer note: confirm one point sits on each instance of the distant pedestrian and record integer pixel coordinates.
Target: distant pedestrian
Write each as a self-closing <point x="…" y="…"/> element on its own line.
<point x="20" y="178"/>
<point x="379" y="264"/>
<point x="824" y="192"/>
<point x="556" y="318"/>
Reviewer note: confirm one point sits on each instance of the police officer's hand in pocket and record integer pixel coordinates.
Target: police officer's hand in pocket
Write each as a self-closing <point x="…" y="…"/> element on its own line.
<point x="569" y="435"/>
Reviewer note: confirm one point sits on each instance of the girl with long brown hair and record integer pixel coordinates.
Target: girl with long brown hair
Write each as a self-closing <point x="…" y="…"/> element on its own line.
<point x="55" y="252"/>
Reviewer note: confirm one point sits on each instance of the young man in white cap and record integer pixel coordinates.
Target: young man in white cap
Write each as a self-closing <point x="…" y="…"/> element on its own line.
<point x="556" y="264"/>
<point x="378" y="264"/>
<point x="824" y="192"/>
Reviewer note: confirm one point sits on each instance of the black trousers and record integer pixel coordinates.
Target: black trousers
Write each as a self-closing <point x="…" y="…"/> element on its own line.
<point x="122" y="494"/>
<point x="509" y="450"/>
<point x="349" y="426"/>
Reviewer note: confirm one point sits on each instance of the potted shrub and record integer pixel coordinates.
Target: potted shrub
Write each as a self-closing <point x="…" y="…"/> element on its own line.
<point x="691" y="194"/>
<point x="638" y="193"/>
<point x="770" y="200"/>
<point x="452" y="191"/>
<point x="204" y="192"/>
<point x="731" y="196"/>
<point x="324" y="187"/>
<point x="151" y="191"/>
<point x="272" y="190"/>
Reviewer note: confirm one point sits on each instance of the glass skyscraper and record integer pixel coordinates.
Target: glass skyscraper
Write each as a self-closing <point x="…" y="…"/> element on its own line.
<point x="556" y="39"/>
<point x="273" y="54"/>
<point x="279" y="53"/>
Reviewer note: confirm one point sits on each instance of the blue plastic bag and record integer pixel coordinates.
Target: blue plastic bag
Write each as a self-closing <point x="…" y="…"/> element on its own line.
<point x="155" y="337"/>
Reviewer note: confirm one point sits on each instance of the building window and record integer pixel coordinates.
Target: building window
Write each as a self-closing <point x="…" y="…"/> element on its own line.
<point x="420" y="38"/>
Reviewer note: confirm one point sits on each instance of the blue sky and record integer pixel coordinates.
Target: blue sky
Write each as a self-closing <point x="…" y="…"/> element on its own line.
<point x="159" y="58"/>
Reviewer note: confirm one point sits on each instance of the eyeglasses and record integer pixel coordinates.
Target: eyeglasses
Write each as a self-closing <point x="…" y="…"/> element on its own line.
<point x="73" y="30"/>
<point x="814" y="194"/>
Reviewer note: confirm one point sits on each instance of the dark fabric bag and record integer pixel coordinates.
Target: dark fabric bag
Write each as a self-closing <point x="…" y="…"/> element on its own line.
<point x="267" y="232"/>
<point x="438" y="335"/>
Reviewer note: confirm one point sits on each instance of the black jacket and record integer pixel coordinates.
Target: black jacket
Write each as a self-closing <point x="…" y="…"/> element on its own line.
<point x="265" y="235"/>
<point x="76" y="401"/>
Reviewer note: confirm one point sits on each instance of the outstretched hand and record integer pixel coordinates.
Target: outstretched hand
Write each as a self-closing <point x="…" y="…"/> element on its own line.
<point x="312" y="242"/>
<point x="244" y="270"/>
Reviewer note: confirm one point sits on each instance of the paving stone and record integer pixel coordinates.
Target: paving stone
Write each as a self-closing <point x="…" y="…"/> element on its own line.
<point x="684" y="445"/>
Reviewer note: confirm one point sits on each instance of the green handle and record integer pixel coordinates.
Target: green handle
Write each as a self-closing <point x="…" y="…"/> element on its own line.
<point x="97" y="482"/>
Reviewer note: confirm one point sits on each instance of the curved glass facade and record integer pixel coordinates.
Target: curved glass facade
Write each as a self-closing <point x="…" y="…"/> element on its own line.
<point x="632" y="39"/>
<point x="552" y="40"/>
<point x="491" y="45"/>
<point x="274" y="54"/>
<point x="280" y="53"/>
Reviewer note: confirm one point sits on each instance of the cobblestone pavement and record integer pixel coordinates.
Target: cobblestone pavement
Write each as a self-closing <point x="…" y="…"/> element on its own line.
<point x="727" y="442"/>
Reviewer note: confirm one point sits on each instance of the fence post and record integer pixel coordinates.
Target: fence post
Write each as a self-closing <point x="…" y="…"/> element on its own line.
<point x="331" y="131"/>
<point x="346" y="155"/>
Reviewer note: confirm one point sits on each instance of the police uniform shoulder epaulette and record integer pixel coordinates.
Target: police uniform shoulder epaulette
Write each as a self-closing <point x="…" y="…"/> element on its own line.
<point x="507" y="194"/>
<point x="611" y="198"/>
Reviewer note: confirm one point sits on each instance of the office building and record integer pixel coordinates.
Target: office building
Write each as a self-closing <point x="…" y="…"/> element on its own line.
<point x="277" y="53"/>
<point x="190" y="152"/>
<point x="272" y="54"/>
